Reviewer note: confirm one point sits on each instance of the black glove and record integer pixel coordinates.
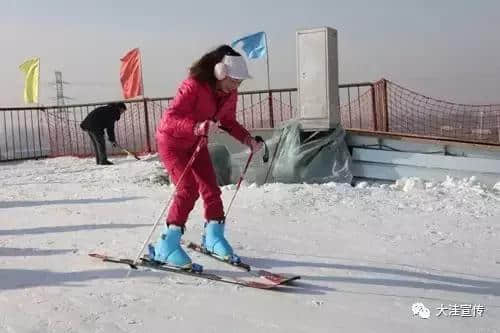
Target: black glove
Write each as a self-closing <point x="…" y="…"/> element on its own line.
<point x="265" y="158"/>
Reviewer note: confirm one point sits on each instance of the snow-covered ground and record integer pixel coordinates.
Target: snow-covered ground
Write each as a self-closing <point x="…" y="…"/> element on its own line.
<point x="366" y="254"/>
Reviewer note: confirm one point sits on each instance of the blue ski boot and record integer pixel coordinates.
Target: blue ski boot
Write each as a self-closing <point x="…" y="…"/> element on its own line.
<point x="214" y="242"/>
<point x="168" y="249"/>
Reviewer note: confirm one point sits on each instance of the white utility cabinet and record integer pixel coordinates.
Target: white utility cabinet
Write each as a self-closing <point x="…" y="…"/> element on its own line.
<point x="318" y="73"/>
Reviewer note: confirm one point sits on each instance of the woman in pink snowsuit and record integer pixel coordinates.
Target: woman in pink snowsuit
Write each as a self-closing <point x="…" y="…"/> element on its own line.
<point x="205" y="101"/>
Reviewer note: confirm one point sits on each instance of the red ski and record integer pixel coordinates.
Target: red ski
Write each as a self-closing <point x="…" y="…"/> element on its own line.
<point x="251" y="282"/>
<point x="279" y="278"/>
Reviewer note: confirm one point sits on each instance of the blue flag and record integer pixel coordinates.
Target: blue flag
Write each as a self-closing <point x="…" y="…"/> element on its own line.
<point x="254" y="45"/>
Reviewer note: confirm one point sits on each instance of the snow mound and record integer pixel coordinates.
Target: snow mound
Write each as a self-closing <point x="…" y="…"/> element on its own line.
<point x="450" y="184"/>
<point x="409" y="184"/>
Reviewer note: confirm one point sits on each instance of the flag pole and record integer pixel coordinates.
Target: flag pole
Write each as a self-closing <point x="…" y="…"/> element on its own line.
<point x="267" y="64"/>
<point x="270" y="101"/>
<point x="38" y="83"/>
<point x="146" y="113"/>
<point x="142" y="75"/>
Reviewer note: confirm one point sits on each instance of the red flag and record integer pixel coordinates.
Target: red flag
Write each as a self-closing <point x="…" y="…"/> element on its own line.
<point x="131" y="75"/>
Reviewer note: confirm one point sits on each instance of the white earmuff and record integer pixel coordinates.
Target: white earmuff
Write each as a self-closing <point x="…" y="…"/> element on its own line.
<point x="220" y="71"/>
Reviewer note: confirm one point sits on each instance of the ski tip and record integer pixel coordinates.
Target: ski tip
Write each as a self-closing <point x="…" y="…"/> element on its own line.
<point x="259" y="285"/>
<point x="277" y="277"/>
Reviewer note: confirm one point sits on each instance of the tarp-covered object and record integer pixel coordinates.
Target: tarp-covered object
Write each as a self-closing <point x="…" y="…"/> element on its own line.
<point x="221" y="160"/>
<point x="318" y="157"/>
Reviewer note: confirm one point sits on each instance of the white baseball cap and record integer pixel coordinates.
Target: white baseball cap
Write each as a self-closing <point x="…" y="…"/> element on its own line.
<point x="236" y="67"/>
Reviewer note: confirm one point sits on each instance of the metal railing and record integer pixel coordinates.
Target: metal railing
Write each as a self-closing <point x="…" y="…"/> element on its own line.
<point x="23" y="134"/>
<point x="49" y="131"/>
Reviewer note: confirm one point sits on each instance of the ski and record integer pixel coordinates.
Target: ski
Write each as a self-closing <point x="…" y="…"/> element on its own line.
<point x="147" y="263"/>
<point x="273" y="277"/>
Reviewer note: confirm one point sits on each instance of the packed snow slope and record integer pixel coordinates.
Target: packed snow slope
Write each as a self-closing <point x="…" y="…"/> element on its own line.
<point x="366" y="254"/>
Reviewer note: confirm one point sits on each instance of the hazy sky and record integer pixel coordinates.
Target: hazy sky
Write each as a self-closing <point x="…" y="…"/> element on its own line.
<point x="447" y="49"/>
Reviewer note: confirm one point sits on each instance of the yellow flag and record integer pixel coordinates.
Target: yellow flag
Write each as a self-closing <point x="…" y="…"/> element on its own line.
<point x="31" y="70"/>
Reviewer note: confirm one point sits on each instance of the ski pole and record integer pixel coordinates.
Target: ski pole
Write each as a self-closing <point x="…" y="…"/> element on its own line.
<point x="265" y="159"/>
<point x="200" y="144"/>
<point x="239" y="183"/>
<point x="274" y="157"/>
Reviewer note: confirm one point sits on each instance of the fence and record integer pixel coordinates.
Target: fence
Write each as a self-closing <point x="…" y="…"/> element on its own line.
<point x="55" y="130"/>
<point x="389" y="107"/>
<point x="23" y="134"/>
<point x="33" y="132"/>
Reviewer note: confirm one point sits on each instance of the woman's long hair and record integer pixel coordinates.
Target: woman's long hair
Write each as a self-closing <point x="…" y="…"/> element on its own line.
<point x="203" y="69"/>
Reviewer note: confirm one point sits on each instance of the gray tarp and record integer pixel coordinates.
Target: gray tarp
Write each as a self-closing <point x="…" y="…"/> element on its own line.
<point x="320" y="158"/>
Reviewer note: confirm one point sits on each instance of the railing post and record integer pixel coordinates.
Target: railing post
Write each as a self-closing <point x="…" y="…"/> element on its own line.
<point x="498" y="128"/>
<point x="271" y="113"/>
<point x="386" y="107"/>
<point x="349" y="104"/>
<point x="52" y="149"/>
<point x="374" y="108"/>
<point x="381" y="105"/>
<point x="146" y="119"/>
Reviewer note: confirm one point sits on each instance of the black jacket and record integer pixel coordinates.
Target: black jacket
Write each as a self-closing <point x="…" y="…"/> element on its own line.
<point x="103" y="117"/>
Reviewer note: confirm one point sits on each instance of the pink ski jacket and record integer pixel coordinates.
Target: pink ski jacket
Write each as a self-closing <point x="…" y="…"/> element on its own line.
<point x="193" y="103"/>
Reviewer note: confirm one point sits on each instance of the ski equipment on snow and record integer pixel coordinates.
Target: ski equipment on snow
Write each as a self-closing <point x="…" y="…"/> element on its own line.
<point x="275" y="277"/>
<point x="261" y="283"/>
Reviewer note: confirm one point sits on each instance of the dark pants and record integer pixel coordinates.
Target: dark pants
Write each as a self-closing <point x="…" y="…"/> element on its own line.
<point x="99" y="147"/>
